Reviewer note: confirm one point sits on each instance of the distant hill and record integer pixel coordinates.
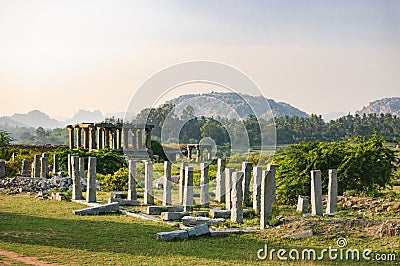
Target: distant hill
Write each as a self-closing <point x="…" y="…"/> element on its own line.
<point x="382" y="106"/>
<point x="85" y="116"/>
<point x="237" y="103"/>
<point x="35" y="119"/>
<point x="8" y="122"/>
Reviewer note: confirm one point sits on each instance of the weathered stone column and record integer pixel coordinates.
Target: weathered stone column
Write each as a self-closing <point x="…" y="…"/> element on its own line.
<point x="86" y="138"/>
<point x="25" y="168"/>
<point x="36" y="163"/>
<point x="182" y="181"/>
<point x="303" y="203"/>
<point x="139" y="139"/>
<point x="2" y="168"/>
<point x="92" y="139"/>
<point x="204" y="186"/>
<point x="106" y="138"/>
<point x="257" y="177"/>
<point x="220" y="178"/>
<point x="82" y="167"/>
<point x="228" y="187"/>
<point x="115" y="139"/>
<point x="246" y="169"/>
<point x="188" y="189"/>
<point x="71" y="137"/>
<point x="148" y="138"/>
<point x="125" y="140"/>
<point x="237" y="198"/>
<point x="134" y="138"/>
<point x="55" y="163"/>
<point x="91" y="180"/>
<point x="331" y="205"/>
<point x="132" y="180"/>
<point x="272" y="168"/>
<point x="69" y="165"/>
<point x="119" y="137"/>
<point x="267" y="195"/>
<point x="316" y="193"/>
<point x="78" y="137"/>
<point x="167" y="199"/>
<point x="100" y="140"/>
<point x="76" y="179"/>
<point x="148" y="183"/>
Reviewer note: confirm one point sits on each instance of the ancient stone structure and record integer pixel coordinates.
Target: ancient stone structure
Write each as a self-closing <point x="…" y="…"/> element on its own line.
<point x="246" y="169"/>
<point x="303" y="203"/>
<point x="111" y="135"/>
<point x="228" y="187"/>
<point x="91" y="180"/>
<point x="237" y="197"/>
<point x="316" y="193"/>
<point x="331" y="205"/>
<point x="36" y="166"/>
<point x="220" y="189"/>
<point x="182" y="181"/>
<point x="267" y="196"/>
<point x="76" y="179"/>
<point x="55" y="163"/>
<point x="272" y="168"/>
<point x="44" y="166"/>
<point x="167" y="197"/>
<point x="132" y="181"/>
<point x="2" y="168"/>
<point x="257" y="177"/>
<point x="25" y="168"/>
<point x="204" y="185"/>
<point x="188" y="189"/>
<point x="148" y="183"/>
<point x="82" y="167"/>
<point x="200" y="151"/>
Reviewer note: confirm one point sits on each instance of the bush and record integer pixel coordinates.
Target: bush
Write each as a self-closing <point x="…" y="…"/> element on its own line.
<point x="118" y="181"/>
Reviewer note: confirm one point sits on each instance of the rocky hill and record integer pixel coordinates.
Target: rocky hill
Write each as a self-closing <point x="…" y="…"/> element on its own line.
<point x="383" y="106"/>
<point x="215" y="104"/>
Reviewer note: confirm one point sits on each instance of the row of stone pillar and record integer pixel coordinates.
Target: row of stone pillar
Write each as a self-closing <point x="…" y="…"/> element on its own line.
<point x="316" y="194"/>
<point x="113" y="138"/>
<point x="201" y="154"/>
<point x="77" y="172"/>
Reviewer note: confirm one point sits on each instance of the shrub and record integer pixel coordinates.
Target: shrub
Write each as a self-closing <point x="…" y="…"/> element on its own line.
<point x="118" y="181"/>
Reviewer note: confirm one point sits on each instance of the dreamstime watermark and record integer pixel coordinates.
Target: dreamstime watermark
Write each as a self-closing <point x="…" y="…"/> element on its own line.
<point x="341" y="253"/>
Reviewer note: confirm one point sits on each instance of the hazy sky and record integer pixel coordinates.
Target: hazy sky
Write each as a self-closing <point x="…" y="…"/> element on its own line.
<point x="320" y="56"/>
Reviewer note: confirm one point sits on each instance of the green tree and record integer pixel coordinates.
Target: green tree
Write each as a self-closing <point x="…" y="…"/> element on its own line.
<point x="5" y="141"/>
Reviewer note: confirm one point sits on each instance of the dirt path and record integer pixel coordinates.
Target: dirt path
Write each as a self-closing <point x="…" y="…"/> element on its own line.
<point x="15" y="257"/>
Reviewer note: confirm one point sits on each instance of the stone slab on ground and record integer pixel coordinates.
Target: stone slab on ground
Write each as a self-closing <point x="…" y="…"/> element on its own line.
<point x="141" y="216"/>
<point x="172" y="216"/>
<point x="124" y="202"/>
<point x="157" y="210"/>
<point x="218" y="213"/>
<point x="194" y="221"/>
<point x="201" y="213"/>
<point x="174" y="235"/>
<point x="228" y="231"/>
<point x="198" y="230"/>
<point x="304" y="234"/>
<point x="98" y="209"/>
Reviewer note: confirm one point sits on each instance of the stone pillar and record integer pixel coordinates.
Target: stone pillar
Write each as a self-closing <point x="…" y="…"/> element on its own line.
<point x="134" y="138"/>
<point x="82" y="167"/>
<point x="55" y="163"/>
<point x="69" y="165"/>
<point x="148" y="183"/>
<point x="257" y="177"/>
<point x="2" y="168"/>
<point x="132" y="180"/>
<point x="316" y="193"/>
<point x="167" y="199"/>
<point x="36" y="163"/>
<point x="100" y="140"/>
<point x="106" y="138"/>
<point x="228" y="187"/>
<point x="302" y="204"/>
<point x="92" y="139"/>
<point x="204" y="186"/>
<point x="119" y="137"/>
<point x="115" y="140"/>
<point x="331" y="205"/>
<point x="188" y="189"/>
<point x="237" y="198"/>
<point x="91" y="180"/>
<point x="76" y="179"/>
<point x="267" y="194"/>
<point x="220" y="189"/>
<point x="139" y="139"/>
<point x="86" y="138"/>
<point x="25" y="168"/>
<point x="182" y="181"/>
<point x="148" y="138"/>
<point x="71" y="137"/>
<point x="246" y="169"/>
<point x="125" y="140"/>
<point x="78" y="137"/>
<point x="272" y="168"/>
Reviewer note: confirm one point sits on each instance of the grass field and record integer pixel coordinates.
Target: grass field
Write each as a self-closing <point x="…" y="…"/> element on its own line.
<point x="47" y="231"/>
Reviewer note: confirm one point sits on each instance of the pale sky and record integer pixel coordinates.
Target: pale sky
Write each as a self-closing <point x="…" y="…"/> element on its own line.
<point x="319" y="56"/>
